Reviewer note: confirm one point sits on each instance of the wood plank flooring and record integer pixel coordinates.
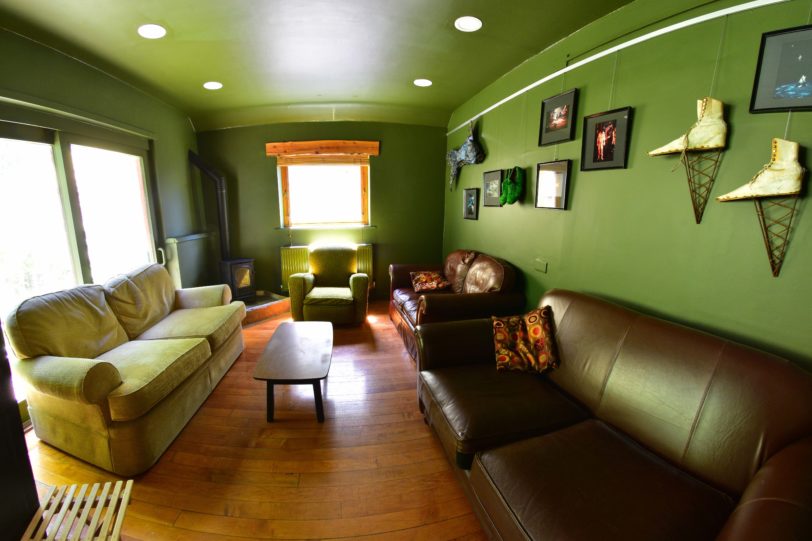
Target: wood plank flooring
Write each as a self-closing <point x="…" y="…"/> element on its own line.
<point x="373" y="470"/>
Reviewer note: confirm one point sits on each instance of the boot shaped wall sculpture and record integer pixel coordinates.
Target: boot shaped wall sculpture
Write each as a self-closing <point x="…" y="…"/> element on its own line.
<point x="700" y="150"/>
<point x="775" y="190"/>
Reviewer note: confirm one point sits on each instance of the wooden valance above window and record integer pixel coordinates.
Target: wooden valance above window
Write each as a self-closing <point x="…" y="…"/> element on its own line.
<point x="334" y="151"/>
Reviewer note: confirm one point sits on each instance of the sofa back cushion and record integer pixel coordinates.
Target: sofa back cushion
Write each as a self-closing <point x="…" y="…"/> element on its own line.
<point x="76" y="322"/>
<point x="715" y="408"/>
<point x="141" y="298"/>
<point x="489" y="274"/>
<point x="455" y="268"/>
<point x="332" y="266"/>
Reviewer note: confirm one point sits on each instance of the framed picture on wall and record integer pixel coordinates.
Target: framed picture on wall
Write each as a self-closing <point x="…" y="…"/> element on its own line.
<point x="551" y="184"/>
<point x="606" y="140"/>
<point x="470" y="203"/>
<point x="558" y="118"/>
<point x="492" y="188"/>
<point x="784" y="71"/>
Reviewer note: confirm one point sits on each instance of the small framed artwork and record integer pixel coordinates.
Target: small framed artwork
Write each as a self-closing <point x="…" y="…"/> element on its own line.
<point x="492" y="188"/>
<point x="470" y="203"/>
<point x="606" y="140"/>
<point x="784" y="72"/>
<point x="551" y="184"/>
<point x="558" y="118"/>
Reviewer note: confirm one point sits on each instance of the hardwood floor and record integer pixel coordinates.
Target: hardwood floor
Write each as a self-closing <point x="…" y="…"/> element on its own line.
<point x="372" y="470"/>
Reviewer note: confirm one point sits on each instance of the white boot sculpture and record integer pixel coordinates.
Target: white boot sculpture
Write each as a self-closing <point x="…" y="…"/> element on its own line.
<point x="708" y="133"/>
<point x="782" y="176"/>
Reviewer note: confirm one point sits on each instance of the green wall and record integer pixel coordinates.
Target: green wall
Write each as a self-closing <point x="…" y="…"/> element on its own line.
<point x="53" y="85"/>
<point x="629" y="235"/>
<point x="406" y="193"/>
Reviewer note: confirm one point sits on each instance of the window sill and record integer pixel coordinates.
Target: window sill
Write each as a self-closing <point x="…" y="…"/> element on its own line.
<point x="323" y="227"/>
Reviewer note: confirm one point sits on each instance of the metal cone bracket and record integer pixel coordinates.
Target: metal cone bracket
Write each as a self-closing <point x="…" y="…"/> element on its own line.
<point x="701" y="169"/>
<point x="775" y="216"/>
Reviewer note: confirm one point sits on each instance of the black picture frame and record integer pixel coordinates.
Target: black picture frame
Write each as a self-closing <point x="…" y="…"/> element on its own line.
<point x="552" y="179"/>
<point x="558" y="117"/>
<point x="613" y="127"/>
<point x="783" y="80"/>
<point x="491" y="188"/>
<point x="470" y="203"/>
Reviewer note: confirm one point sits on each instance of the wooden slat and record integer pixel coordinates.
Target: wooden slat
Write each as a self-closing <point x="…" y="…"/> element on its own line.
<point x="325" y="147"/>
<point x="372" y="470"/>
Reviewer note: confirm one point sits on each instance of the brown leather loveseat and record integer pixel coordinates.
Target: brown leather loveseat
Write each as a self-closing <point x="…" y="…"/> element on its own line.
<point x="648" y="430"/>
<point x="481" y="286"/>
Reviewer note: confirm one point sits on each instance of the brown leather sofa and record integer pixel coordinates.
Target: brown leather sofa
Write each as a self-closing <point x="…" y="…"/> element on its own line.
<point x="648" y="430"/>
<point x="481" y="286"/>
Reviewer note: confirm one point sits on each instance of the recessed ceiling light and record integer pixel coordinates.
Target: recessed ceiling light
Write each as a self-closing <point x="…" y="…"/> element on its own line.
<point x="213" y="85"/>
<point x="467" y="24"/>
<point x="151" y="31"/>
<point x="422" y="82"/>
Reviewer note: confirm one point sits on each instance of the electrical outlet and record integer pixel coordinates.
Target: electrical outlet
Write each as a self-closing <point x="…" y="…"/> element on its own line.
<point x="540" y="265"/>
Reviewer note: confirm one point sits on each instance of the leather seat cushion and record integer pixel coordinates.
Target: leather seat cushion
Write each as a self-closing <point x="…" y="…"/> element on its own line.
<point x="589" y="481"/>
<point x="407" y="301"/>
<point x="483" y="408"/>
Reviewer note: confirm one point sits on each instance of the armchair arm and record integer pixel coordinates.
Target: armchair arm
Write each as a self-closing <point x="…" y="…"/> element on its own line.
<point x="777" y="504"/>
<point x="454" y="343"/>
<point x="204" y="296"/>
<point x="359" y="285"/>
<point x="70" y="378"/>
<point x="399" y="274"/>
<point x="299" y="285"/>
<point x="434" y="308"/>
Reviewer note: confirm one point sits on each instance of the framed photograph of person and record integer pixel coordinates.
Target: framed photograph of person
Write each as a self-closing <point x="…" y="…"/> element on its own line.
<point x="470" y="203"/>
<point x="551" y="184"/>
<point x="492" y="188"/>
<point x="606" y="140"/>
<point x="558" y="118"/>
<point x="784" y="72"/>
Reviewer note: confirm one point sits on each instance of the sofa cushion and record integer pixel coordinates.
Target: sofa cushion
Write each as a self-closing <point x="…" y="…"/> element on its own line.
<point x="428" y="281"/>
<point x="150" y="370"/>
<point x="525" y="342"/>
<point x="214" y="323"/>
<point x="486" y="274"/>
<point x="483" y="408"/>
<point x="329" y="296"/>
<point x="455" y="268"/>
<point x="76" y="322"/>
<point x="589" y="481"/>
<point x="141" y="298"/>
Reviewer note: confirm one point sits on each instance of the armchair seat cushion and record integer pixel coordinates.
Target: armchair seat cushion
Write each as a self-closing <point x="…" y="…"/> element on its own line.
<point x="589" y="481"/>
<point x="330" y="296"/>
<point x="150" y="370"/>
<point x="214" y="323"/>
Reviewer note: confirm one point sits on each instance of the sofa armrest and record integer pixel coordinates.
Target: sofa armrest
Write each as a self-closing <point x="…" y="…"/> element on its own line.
<point x="777" y="504"/>
<point x="71" y="378"/>
<point x="455" y="343"/>
<point x="202" y="297"/>
<point x="399" y="274"/>
<point x="359" y="286"/>
<point x="299" y="285"/>
<point x="434" y="308"/>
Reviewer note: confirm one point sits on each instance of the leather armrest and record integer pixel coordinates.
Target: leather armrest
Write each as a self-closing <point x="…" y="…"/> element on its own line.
<point x="299" y="285"/>
<point x="203" y="297"/>
<point x="71" y="378"/>
<point x="777" y="504"/>
<point x="454" y="343"/>
<point x="399" y="274"/>
<point x="434" y="308"/>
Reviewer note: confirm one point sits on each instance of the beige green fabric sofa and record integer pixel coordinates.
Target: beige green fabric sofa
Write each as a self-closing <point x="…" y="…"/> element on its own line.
<point x="116" y="371"/>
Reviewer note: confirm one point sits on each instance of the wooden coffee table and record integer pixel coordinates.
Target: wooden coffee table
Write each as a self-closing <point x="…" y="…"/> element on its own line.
<point x="299" y="352"/>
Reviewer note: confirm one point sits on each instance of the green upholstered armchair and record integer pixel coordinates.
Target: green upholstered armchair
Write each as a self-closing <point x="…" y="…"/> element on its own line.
<point x="333" y="290"/>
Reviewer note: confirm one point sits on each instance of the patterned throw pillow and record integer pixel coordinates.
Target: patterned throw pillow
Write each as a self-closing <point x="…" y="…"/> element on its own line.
<point x="428" y="281"/>
<point x="525" y="342"/>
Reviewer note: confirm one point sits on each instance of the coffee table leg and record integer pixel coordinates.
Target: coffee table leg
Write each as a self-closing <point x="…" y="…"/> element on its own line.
<point x="319" y="403"/>
<point x="269" y="402"/>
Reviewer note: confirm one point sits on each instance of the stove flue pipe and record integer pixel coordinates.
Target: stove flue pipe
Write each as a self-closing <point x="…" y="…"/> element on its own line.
<point x="222" y="202"/>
